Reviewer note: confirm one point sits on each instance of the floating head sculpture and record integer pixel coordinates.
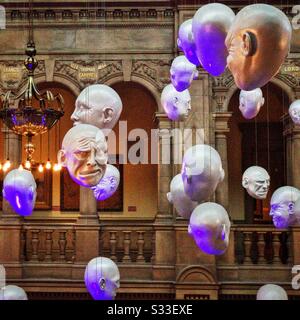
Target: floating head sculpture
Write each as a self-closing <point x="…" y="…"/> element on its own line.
<point x="251" y="102"/>
<point x="182" y="203"/>
<point x="84" y="153"/>
<point x="256" y="181"/>
<point x="271" y="292"/>
<point x="19" y="189"/>
<point x="176" y="104"/>
<point x="182" y="73"/>
<point x="210" y="228"/>
<point x="201" y="172"/>
<point x="102" y="278"/>
<point x="108" y="185"/>
<point x="282" y="206"/>
<point x="294" y="111"/>
<point x="98" y="105"/>
<point x="258" y="42"/>
<point x="186" y="42"/>
<point x="12" y="292"/>
<point x="210" y="26"/>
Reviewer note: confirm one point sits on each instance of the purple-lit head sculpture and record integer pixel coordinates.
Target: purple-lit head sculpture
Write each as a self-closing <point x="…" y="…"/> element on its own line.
<point x="210" y="228"/>
<point x="201" y="172"/>
<point x="210" y="26"/>
<point x="186" y="42"/>
<point x="251" y="102"/>
<point x="294" y="111"/>
<point x="181" y="202"/>
<point x="176" y="104"/>
<point x="84" y="153"/>
<point x="258" y="43"/>
<point x="256" y="181"/>
<point x="19" y="190"/>
<point x="98" y="105"/>
<point x="295" y="219"/>
<point x="12" y="292"/>
<point x="102" y="278"/>
<point x="282" y="206"/>
<point x="108" y="185"/>
<point x="182" y="73"/>
<point x="271" y="292"/>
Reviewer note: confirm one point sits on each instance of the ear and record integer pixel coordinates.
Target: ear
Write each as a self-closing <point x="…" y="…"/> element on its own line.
<point x="223" y="232"/>
<point x="245" y="183"/>
<point x="61" y="158"/>
<point x="108" y="114"/>
<point x="175" y="102"/>
<point x="169" y="197"/>
<point x="222" y="175"/>
<point x="190" y="230"/>
<point x="262" y="101"/>
<point x="179" y="44"/>
<point x="196" y="75"/>
<point x="248" y="44"/>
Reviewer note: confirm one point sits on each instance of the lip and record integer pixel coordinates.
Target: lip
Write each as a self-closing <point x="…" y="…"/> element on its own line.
<point x="88" y="174"/>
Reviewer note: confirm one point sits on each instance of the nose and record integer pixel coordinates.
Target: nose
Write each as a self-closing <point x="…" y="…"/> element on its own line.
<point x="74" y="116"/>
<point x="189" y="107"/>
<point x="91" y="159"/>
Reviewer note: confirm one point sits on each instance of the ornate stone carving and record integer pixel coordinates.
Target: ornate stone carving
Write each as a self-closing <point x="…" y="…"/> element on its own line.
<point x="155" y="71"/>
<point x="224" y="81"/>
<point x="84" y="73"/>
<point x="13" y="74"/>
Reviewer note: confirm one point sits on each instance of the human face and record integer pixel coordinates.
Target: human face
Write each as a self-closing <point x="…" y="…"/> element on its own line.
<point x="105" y="188"/>
<point x="250" y="107"/>
<point x="280" y="213"/>
<point x="88" y="113"/>
<point x="259" y="187"/>
<point x="86" y="160"/>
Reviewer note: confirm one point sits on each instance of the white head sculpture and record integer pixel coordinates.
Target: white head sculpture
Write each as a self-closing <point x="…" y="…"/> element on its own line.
<point x="84" y="153"/>
<point x="256" y="181"/>
<point x="98" y="105"/>
<point x="251" y="102"/>
<point x="201" y="172"/>
<point x="102" y="278"/>
<point x="176" y="104"/>
<point x="210" y="228"/>
<point x="108" y="185"/>
<point x="186" y="42"/>
<point x="182" y="203"/>
<point x="294" y="111"/>
<point x="258" y="43"/>
<point x="282" y="206"/>
<point x="19" y="189"/>
<point x="210" y="26"/>
<point x="295" y="219"/>
<point x="182" y="73"/>
<point x="12" y="292"/>
<point x="271" y="292"/>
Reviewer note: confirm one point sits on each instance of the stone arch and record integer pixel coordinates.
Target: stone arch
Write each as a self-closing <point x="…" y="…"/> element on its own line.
<point x="149" y="86"/>
<point x="196" y="274"/>
<point x="277" y="80"/>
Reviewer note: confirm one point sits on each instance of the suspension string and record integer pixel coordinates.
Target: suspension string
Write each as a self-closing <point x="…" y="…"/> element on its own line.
<point x="268" y="128"/>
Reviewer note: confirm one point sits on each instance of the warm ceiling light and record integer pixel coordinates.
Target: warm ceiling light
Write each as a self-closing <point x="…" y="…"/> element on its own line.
<point x="48" y="165"/>
<point x="27" y="164"/>
<point x="41" y="168"/>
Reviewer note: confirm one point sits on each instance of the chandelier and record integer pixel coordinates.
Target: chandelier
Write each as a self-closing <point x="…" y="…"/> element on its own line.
<point x="31" y="112"/>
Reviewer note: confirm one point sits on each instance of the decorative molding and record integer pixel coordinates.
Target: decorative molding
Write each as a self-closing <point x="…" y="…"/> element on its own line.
<point x="83" y="73"/>
<point x="156" y="72"/>
<point x="91" y="16"/>
<point x="13" y="74"/>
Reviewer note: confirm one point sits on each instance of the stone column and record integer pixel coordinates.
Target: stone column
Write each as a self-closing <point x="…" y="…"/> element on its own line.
<point x="292" y="134"/>
<point x="221" y="129"/>
<point x="13" y="152"/>
<point x="10" y="222"/>
<point x="87" y="232"/>
<point x="163" y="268"/>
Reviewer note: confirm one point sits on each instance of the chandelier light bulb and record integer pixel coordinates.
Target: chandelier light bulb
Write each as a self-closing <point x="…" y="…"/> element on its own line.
<point x="48" y="165"/>
<point x="6" y="165"/>
<point x="57" y="167"/>
<point x="5" y="168"/>
<point x="41" y="168"/>
<point x="27" y="164"/>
